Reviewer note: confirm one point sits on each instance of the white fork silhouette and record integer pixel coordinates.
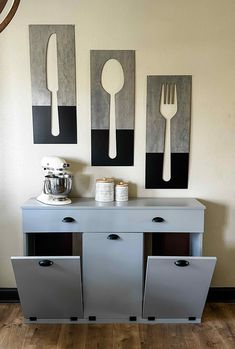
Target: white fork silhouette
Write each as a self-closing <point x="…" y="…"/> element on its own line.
<point x="168" y="109"/>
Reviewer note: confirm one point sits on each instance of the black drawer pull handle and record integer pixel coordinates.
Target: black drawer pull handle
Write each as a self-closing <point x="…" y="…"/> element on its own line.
<point x="68" y="220"/>
<point x="113" y="237"/>
<point x="45" y="263"/>
<point x="181" y="263"/>
<point x="158" y="219"/>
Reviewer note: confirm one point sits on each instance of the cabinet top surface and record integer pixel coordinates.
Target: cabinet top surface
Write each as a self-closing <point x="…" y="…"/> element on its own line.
<point x="133" y="203"/>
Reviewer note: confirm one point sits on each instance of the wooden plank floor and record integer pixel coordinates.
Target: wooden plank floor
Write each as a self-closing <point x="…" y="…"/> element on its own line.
<point x="217" y="331"/>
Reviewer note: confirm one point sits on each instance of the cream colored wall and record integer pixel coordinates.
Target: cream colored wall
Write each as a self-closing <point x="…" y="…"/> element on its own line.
<point x="170" y="37"/>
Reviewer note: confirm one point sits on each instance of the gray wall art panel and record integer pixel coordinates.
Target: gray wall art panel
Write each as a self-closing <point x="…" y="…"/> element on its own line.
<point x="180" y="123"/>
<point x="124" y="100"/>
<point x="38" y="37"/>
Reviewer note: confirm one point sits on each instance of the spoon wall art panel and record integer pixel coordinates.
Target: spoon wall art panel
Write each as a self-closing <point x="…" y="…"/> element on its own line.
<point x="168" y="131"/>
<point x="112" y="107"/>
<point x="53" y="78"/>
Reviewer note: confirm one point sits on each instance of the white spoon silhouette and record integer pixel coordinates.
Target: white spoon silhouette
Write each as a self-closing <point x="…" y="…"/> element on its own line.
<point x="112" y="79"/>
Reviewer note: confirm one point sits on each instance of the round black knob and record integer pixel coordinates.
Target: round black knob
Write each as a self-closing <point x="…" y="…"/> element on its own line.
<point x="113" y="237"/>
<point x="181" y="263"/>
<point x="45" y="263"/>
<point x="68" y="220"/>
<point x="158" y="219"/>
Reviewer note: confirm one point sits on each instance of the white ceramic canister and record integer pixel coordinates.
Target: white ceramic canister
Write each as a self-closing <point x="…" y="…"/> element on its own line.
<point x="121" y="191"/>
<point x="104" y="191"/>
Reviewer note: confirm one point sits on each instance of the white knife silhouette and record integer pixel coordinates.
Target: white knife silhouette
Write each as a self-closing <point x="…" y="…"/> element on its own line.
<point x="52" y="82"/>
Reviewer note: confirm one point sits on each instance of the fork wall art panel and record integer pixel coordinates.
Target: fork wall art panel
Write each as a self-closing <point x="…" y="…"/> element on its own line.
<point x="168" y="127"/>
<point x="53" y="78"/>
<point x="112" y="107"/>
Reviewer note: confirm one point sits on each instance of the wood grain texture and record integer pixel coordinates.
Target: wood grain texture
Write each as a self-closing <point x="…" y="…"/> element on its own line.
<point x="38" y="38"/>
<point x="180" y="123"/>
<point x="216" y="331"/>
<point x="2" y="5"/>
<point x="124" y="99"/>
<point x="10" y="14"/>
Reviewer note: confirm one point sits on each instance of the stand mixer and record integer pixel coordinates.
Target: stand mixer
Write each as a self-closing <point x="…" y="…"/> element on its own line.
<point x="57" y="183"/>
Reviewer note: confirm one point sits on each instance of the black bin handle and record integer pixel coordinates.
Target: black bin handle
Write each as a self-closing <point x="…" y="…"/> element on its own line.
<point x="68" y="220"/>
<point x="113" y="237"/>
<point x="45" y="263"/>
<point x="181" y="263"/>
<point x="158" y="220"/>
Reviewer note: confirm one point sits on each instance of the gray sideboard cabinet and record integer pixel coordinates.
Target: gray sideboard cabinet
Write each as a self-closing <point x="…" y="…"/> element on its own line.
<point x="139" y="261"/>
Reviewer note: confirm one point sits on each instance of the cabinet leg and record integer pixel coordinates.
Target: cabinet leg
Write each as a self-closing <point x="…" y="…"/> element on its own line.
<point x="196" y="244"/>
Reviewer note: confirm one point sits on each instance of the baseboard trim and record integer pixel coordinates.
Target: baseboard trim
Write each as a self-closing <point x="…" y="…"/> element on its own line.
<point x="9" y="295"/>
<point x="215" y="294"/>
<point x="221" y="295"/>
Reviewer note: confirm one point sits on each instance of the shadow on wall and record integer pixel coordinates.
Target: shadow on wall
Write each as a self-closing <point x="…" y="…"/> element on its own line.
<point x="81" y="182"/>
<point x="85" y="183"/>
<point x="132" y="189"/>
<point x="216" y="218"/>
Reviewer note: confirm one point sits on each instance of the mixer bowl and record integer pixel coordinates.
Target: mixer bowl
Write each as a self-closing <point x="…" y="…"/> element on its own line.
<point x="58" y="186"/>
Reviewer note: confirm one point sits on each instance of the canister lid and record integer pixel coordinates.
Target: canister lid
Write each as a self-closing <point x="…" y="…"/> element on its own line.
<point x="122" y="184"/>
<point x="105" y="180"/>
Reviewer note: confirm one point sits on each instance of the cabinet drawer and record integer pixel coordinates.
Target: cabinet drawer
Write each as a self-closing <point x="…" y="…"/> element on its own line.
<point x="51" y="220"/>
<point x="141" y="220"/>
<point x="118" y="220"/>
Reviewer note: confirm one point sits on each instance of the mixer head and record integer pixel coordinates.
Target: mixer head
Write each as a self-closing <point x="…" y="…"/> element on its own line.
<point x="54" y="165"/>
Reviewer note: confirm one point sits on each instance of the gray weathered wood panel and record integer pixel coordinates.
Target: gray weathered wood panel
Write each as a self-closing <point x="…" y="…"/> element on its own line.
<point x="124" y="100"/>
<point x="180" y="123"/>
<point x="38" y="37"/>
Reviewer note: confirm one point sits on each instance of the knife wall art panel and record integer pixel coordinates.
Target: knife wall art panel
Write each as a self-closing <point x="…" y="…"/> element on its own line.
<point x="168" y="98"/>
<point x="53" y="78"/>
<point x="117" y="98"/>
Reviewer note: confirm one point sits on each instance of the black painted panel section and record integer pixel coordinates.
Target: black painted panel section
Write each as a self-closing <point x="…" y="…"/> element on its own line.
<point x="42" y="125"/>
<point x="100" y="148"/>
<point x="179" y="171"/>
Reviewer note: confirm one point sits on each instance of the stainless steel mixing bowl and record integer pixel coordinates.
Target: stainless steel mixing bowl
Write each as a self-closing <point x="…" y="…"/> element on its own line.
<point x="58" y="186"/>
